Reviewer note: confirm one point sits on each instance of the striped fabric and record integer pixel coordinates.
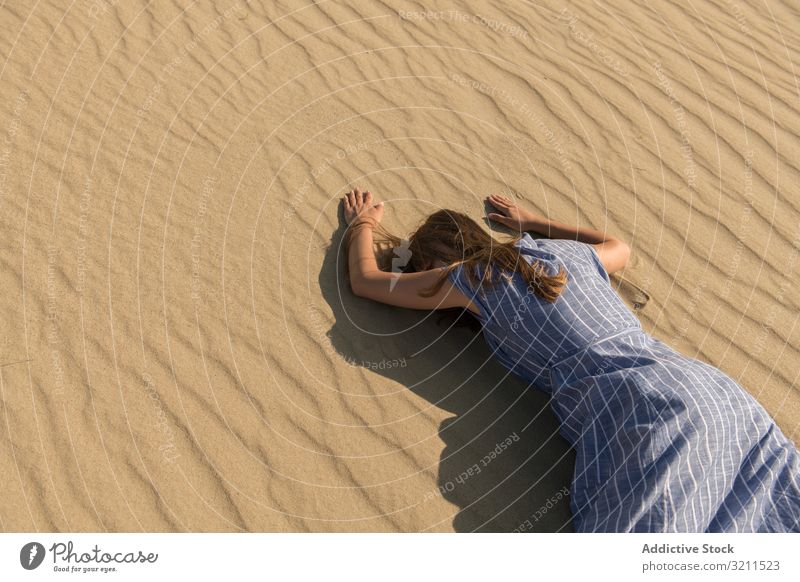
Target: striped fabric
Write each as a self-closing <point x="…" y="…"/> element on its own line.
<point x="665" y="443"/>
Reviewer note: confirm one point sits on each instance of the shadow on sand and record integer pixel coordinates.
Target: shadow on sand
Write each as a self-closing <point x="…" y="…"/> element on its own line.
<point x="503" y="429"/>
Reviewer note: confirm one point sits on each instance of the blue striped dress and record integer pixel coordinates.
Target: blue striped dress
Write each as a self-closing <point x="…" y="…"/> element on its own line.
<point x="664" y="442"/>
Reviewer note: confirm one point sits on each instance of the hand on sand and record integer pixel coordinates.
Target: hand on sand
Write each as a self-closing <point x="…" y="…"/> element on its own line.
<point x="360" y="205"/>
<point x="511" y="215"/>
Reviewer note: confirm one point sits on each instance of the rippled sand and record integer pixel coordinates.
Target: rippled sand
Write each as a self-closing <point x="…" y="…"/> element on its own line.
<point x="179" y="351"/>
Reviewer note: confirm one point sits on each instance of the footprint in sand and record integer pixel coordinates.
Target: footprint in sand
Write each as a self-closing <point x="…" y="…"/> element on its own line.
<point x="631" y="293"/>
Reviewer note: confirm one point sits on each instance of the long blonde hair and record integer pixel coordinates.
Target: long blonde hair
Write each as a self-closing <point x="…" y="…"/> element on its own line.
<point x="455" y="239"/>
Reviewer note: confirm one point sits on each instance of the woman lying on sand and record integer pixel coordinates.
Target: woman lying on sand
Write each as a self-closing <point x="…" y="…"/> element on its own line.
<point x="664" y="442"/>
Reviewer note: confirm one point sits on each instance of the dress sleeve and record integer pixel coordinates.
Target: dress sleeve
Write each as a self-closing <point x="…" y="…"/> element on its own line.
<point x="595" y="258"/>
<point x="576" y="251"/>
<point x="458" y="277"/>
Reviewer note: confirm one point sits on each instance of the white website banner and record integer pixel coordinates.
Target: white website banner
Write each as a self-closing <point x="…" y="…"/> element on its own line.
<point x="400" y="557"/>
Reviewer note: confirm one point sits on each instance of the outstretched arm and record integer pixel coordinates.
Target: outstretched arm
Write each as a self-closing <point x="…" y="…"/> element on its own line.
<point x="366" y="280"/>
<point x="613" y="252"/>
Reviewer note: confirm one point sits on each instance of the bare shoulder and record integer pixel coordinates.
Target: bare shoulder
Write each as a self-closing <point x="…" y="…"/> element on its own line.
<point x="613" y="253"/>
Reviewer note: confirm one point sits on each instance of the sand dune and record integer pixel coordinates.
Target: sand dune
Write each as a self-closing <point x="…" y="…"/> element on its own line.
<point x="180" y="352"/>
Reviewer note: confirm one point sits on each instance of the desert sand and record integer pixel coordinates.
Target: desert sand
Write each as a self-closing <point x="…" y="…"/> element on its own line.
<point x="179" y="349"/>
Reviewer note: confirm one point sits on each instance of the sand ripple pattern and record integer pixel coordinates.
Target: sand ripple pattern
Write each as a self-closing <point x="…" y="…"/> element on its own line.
<point x="178" y="350"/>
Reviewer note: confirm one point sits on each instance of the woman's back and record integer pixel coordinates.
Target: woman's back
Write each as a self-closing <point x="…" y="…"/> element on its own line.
<point x="531" y="334"/>
<point x="664" y="442"/>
